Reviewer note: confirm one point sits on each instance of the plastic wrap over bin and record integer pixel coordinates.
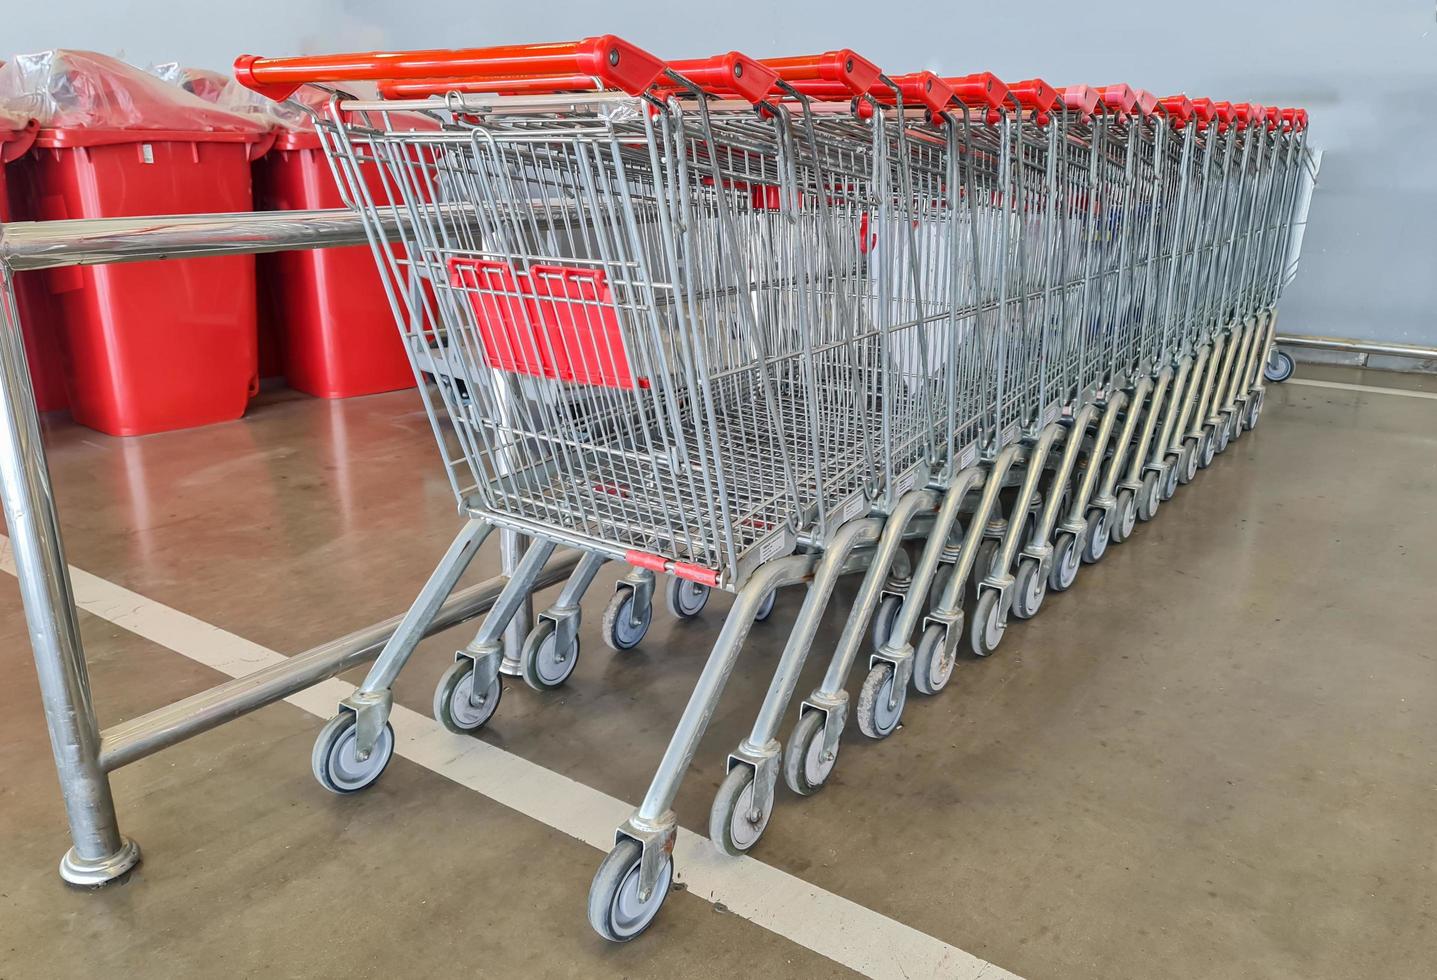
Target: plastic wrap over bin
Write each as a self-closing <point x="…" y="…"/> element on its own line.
<point x="159" y="345"/>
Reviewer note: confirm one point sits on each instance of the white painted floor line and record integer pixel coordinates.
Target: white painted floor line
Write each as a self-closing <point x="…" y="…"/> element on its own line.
<point x="827" y="924"/>
<point x="1373" y="389"/>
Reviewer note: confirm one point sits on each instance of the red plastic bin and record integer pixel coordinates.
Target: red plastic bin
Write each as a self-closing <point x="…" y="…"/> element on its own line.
<point x="326" y="308"/>
<point x="159" y="345"/>
<point x="43" y="348"/>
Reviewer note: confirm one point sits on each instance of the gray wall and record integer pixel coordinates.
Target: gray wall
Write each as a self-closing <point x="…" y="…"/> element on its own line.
<point x="1367" y="72"/>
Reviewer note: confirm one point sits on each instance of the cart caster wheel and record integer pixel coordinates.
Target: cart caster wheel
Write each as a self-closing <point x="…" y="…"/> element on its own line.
<point x="932" y="662"/>
<point x="1207" y="447"/>
<point x="1222" y="434"/>
<point x="615" y="910"/>
<point x="1095" y="537"/>
<point x="452" y="707"/>
<point x="1188" y="462"/>
<point x="1067" y="558"/>
<point x="875" y="718"/>
<point x="1279" y="366"/>
<point x="1169" y="483"/>
<point x="335" y="759"/>
<point x="544" y="665"/>
<point x="1125" y="517"/>
<point x="686" y="599"/>
<point x="989" y="624"/>
<point x="737" y="820"/>
<point x="806" y="766"/>
<point x="1254" y="410"/>
<point x="983" y="563"/>
<point x="620" y="630"/>
<point x="883" y="619"/>
<point x="1030" y="587"/>
<point x="1234" y="424"/>
<point x="765" y="608"/>
<point x="1149" y="496"/>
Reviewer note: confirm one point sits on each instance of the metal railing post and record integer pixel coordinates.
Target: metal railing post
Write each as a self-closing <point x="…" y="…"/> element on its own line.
<point x="100" y="853"/>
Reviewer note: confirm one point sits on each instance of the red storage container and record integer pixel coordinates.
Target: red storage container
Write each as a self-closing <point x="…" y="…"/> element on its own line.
<point x="43" y="347"/>
<point x="158" y="345"/>
<point x="326" y="308"/>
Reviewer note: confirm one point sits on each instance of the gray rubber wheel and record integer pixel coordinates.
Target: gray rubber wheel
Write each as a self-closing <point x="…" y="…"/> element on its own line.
<point x="1279" y="366"/>
<point x="1254" y="410"/>
<point x="452" y="707"/>
<point x="988" y="625"/>
<point x="1030" y="587"/>
<point x="615" y="911"/>
<point x="620" y="629"/>
<point x="1169" y="484"/>
<point x="1188" y="462"/>
<point x="1095" y="535"/>
<point x="335" y="759"/>
<point x="1207" y="447"/>
<point x="1149" y="496"/>
<point x="1224" y="434"/>
<point x="806" y="767"/>
<point x="933" y="661"/>
<point x="765" y="608"/>
<point x="876" y="717"/>
<point x="1067" y="559"/>
<point x="1124" y="518"/>
<point x="684" y="598"/>
<point x="542" y="663"/>
<point x="883" y="619"/>
<point x="736" y="819"/>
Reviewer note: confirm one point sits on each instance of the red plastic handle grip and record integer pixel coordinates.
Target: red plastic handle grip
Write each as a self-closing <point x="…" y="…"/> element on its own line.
<point x="421" y="88"/>
<point x="982" y="90"/>
<point x="843" y="65"/>
<point x="733" y="73"/>
<point x="1204" y="109"/>
<point x="1293" y="118"/>
<point x="1224" y="112"/>
<point x="1147" y="102"/>
<point x="1118" y="98"/>
<point x="1034" y="93"/>
<point x="824" y="91"/>
<point x="1179" y="109"/>
<point x="1080" y="98"/>
<point x="926" y="89"/>
<point x="615" y="62"/>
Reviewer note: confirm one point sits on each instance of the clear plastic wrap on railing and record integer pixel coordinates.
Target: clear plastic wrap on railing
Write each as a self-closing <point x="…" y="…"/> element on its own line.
<point x="67" y="89"/>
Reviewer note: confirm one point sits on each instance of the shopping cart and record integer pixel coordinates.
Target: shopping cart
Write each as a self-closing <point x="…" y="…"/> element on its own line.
<point x="761" y="324"/>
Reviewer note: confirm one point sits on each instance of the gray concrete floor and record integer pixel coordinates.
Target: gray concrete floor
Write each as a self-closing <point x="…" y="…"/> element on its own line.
<point x="1214" y="757"/>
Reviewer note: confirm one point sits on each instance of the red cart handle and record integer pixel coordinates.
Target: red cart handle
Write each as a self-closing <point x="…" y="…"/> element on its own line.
<point x="1034" y="93"/>
<point x="845" y="66"/>
<point x="1179" y="109"/>
<point x="1205" y="110"/>
<point x="1119" y="98"/>
<point x="1081" y="99"/>
<point x="1294" y="118"/>
<point x="733" y="73"/>
<point x="983" y="90"/>
<point x="923" y="88"/>
<point x="1147" y="102"/>
<point x="1224" y="113"/>
<point x="615" y="62"/>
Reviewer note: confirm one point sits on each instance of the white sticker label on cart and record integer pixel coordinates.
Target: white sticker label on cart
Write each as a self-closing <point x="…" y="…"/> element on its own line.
<point x="855" y="507"/>
<point x="1010" y="433"/>
<point x="1050" y="415"/>
<point x="906" y="484"/>
<point x="147" y="152"/>
<point x="771" y="549"/>
<point x="967" y="456"/>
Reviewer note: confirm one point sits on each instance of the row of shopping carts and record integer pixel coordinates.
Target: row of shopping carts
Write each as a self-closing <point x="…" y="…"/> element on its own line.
<point x="751" y="325"/>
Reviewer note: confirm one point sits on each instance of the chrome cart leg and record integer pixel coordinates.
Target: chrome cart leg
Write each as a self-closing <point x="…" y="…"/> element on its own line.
<point x="929" y="666"/>
<point x="990" y="616"/>
<point x="633" y="880"/>
<point x="1084" y="531"/>
<point x="99" y="853"/>
<point x="468" y="693"/>
<point x="1138" y="492"/>
<point x="354" y="748"/>
<point x="1181" y="452"/>
<point x="551" y="650"/>
<point x="1158" y="462"/>
<point x="1038" y="558"/>
<point x="744" y="802"/>
<point x="1106" y="515"/>
<point x="511" y="551"/>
